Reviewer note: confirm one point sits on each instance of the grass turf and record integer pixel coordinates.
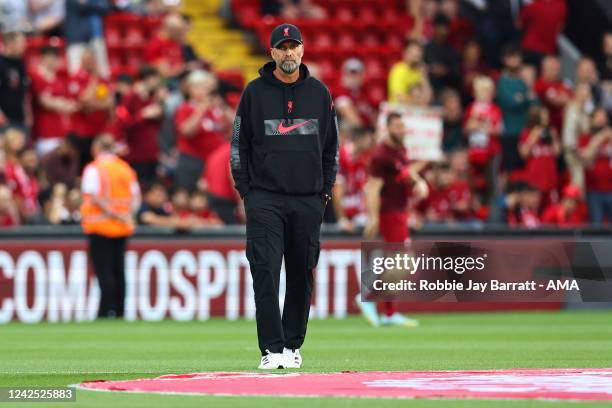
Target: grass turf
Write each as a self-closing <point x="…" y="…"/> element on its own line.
<point x="62" y="354"/>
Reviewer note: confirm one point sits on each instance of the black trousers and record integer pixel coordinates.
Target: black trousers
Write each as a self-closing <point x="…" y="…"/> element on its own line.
<point x="281" y="225"/>
<point x="108" y="260"/>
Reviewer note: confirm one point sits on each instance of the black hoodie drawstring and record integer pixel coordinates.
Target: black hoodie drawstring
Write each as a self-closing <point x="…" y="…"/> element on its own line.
<point x="285" y="113"/>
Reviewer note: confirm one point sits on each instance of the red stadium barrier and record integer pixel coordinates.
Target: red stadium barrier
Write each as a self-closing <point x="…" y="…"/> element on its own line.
<point x="176" y="279"/>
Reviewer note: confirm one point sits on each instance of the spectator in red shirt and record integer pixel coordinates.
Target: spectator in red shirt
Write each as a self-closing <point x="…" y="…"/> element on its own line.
<point x="223" y="199"/>
<point x="483" y="125"/>
<point x="539" y="147"/>
<point x="122" y="87"/>
<point x="523" y="207"/>
<point x="30" y="163"/>
<point x="180" y="203"/>
<point x="437" y="207"/>
<point x="348" y="195"/>
<point x="459" y="192"/>
<point x="165" y="50"/>
<point x="461" y="29"/>
<point x="95" y="103"/>
<point x="203" y="216"/>
<point x="352" y="104"/>
<point x="567" y="213"/>
<point x="24" y="189"/>
<point x="193" y="208"/>
<point x="9" y="214"/>
<point x="483" y="122"/>
<point x="595" y="151"/>
<point x="139" y="119"/>
<point x="465" y="204"/>
<point x="50" y="103"/>
<point x="551" y="90"/>
<point x="541" y="22"/>
<point x="423" y="12"/>
<point x="450" y="198"/>
<point x="12" y="140"/>
<point x="201" y="124"/>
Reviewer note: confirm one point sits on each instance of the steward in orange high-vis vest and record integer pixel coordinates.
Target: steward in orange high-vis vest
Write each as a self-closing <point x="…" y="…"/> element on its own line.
<point x="111" y="196"/>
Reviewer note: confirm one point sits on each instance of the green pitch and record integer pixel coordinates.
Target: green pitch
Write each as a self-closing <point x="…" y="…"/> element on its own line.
<point x="62" y="354"/>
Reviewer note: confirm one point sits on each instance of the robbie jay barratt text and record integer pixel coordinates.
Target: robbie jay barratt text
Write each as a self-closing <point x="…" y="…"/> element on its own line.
<point x="493" y="285"/>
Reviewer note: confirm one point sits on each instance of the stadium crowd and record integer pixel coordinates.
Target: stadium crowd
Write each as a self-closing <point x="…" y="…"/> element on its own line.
<point x="521" y="146"/>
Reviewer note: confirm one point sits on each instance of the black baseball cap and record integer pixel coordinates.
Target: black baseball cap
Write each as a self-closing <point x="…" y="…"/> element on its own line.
<point x="283" y="33"/>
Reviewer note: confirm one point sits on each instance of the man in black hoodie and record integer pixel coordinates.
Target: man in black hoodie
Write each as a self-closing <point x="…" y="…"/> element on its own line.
<point x="284" y="157"/>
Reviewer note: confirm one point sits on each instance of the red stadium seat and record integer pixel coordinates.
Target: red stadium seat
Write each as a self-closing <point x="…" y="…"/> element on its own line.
<point x="248" y="17"/>
<point x="247" y="11"/>
<point x="346" y="39"/>
<point x="150" y="24"/>
<point x="134" y="36"/>
<point x="368" y="15"/>
<point x="396" y="40"/>
<point x="323" y="39"/>
<point x="133" y="57"/>
<point x="370" y="38"/>
<point x="115" y="56"/>
<point x="112" y="35"/>
<point x="376" y="94"/>
<point x="344" y="14"/>
<point x="374" y="67"/>
<point x="327" y="67"/>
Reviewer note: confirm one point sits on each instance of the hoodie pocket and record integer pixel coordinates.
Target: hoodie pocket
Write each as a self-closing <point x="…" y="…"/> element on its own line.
<point x="295" y="171"/>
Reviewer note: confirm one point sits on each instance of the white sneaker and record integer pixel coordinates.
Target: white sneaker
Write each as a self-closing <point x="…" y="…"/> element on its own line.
<point x="397" y="319"/>
<point x="293" y="359"/>
<point x="272" y="361"/>
<point x="368" y="310"/>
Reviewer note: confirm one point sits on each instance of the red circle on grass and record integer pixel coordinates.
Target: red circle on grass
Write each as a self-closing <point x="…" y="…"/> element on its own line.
<point x="562" y="384"/>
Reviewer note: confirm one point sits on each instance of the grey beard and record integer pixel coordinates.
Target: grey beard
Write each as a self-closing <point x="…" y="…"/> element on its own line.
<point x="288" y="67"/>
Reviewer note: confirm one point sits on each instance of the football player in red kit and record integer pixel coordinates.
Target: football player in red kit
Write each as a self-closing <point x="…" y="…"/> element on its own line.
<point x="391" y="182"/>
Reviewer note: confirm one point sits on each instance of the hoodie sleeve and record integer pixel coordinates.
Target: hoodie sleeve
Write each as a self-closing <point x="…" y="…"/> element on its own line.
<point x="330" y="150"/>
<point x="241" y="144"/>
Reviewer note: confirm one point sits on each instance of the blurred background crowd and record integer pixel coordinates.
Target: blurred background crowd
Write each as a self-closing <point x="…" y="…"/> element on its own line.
<point x="526" y="135"/>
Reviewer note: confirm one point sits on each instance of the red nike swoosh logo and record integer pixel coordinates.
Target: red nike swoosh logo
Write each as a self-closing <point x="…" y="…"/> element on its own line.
<point x="282" y="129"/>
